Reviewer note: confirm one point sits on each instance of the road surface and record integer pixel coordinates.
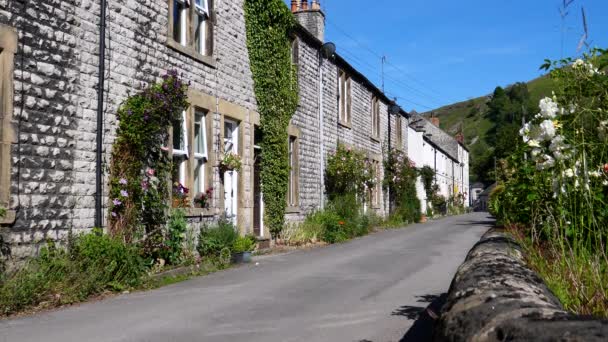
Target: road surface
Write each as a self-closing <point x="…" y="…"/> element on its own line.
<point x="369" y="289"/>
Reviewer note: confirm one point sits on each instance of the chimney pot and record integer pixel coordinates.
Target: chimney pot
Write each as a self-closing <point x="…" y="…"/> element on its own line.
<point x="435" y="121"/>
<point x="294" y="6"/>
<point x="304" y="5"/>
<point x="316" y="5"/>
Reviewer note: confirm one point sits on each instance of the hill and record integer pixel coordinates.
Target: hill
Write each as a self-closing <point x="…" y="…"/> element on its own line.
<point x="472" y="118"/>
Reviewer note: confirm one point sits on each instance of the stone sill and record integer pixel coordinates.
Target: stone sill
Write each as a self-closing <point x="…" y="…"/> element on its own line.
<point x="189" y="51"/>
<point x="9" y="218"/>
<point x="199" y="212"/>
<point x="345" y="124"/>
<point x="292" y="210"/>
<point x="375" y="138"/>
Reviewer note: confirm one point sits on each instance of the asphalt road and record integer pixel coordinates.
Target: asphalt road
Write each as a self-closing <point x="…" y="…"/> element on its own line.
<point x="369" y="289"/>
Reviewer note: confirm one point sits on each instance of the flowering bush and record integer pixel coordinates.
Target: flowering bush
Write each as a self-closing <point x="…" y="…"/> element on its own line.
<point x="400" y="177"/>
<point x="139" y="166"/>
<point x="566" y="146"/>
<point x="203" y="199"/>
<point x="349" y="172"/>
<point x="556" y="184"/>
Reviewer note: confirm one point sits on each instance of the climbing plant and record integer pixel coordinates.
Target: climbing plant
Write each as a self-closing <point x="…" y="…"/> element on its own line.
<point x="400" y="177"/>
<point x="140" y="164"/>
<point x="269" y="23"/>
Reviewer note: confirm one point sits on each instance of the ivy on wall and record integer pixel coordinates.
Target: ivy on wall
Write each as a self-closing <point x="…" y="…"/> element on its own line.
<point x="268" y="25"/>
<point x="141" y="166"/>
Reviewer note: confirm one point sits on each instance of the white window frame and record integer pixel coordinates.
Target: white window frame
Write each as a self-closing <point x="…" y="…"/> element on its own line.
<point x="183" y="20"/>
<point x="201" y="9"/>
<point x="182" y="153"/>
<point x="200" y="159"/>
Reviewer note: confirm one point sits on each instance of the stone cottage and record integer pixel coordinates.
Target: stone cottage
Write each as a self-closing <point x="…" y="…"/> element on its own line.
<point x="50" y="59"/>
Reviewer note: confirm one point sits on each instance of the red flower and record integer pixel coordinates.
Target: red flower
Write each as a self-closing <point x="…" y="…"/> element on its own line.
<point x="606" y="168"/>
<point x="341" y="223"/>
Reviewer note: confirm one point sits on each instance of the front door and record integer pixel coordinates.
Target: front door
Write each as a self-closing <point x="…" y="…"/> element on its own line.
<point x="231" y="190"/>
<point x="258" y="204"/>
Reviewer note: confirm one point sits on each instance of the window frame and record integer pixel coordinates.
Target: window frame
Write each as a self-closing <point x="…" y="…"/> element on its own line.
<point x="293" y="186"/>
<point x="344" y="99"/>
<point x="375" y="118"/>
<point x="8" y="48"/>
<point x="200" y="159"/>
<point x="193" y="13"/>
<point x="399" y="131"/>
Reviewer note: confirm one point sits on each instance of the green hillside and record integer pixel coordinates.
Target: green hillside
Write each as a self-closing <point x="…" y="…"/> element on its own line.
<point x="472" y="117"/>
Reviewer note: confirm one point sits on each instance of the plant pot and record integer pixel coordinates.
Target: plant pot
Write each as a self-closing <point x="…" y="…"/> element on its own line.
<point x="241" y="258"/>
<point x="423" y="219"/>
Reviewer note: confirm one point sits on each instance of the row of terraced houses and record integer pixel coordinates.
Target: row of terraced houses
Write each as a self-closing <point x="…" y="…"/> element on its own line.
<point x="49" y="68"/>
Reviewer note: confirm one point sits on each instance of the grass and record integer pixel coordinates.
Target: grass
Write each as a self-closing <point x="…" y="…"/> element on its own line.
<point x="577" y="277"/>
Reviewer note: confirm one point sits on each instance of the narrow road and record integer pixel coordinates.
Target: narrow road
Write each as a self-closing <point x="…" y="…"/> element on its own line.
<point x="369" y="289"/>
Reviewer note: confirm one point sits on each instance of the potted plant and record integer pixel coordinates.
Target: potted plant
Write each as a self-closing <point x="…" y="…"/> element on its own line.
<point x="203" y="199"/>
<point x="180" y="196"/>
<point x="230" y="162"/>
<point x="242" y="248"/>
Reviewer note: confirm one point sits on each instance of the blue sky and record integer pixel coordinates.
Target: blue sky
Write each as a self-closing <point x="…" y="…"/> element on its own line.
<point x="443" y="51"/>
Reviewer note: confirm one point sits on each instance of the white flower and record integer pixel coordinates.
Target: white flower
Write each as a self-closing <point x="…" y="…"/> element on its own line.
<point x="605" y="183"/>
<point x="546" y="162"/>
<point x="576" y="183"/>
<point x="525" y="132"/>
<point x="533" y="143"/>
<point x="547" y="130"/>
<point x="578" y="63"/>
<point x="536" y="152"/>
<point x="595" y="174"/>
<point x="569" y="173"/>
<point x="548" y="108"/>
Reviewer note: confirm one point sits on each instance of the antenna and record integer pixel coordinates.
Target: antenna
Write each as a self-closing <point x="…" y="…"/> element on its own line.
<point x="563" y="13"/>
<point x="383" y="61"/>
<point x="583" y="41"/>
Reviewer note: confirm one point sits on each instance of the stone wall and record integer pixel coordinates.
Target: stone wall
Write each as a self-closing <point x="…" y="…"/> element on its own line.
<point x="495" y="297"/>
<point x="55" y="102"/>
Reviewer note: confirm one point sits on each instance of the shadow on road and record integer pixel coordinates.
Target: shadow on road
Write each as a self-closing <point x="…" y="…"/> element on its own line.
<point x="426" y="317"/>
<point x="489" y="223"/>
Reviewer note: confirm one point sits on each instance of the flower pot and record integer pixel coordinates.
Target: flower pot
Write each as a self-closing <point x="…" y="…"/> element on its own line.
<point x="423" y="219"/>
<point x="241" y="258"/>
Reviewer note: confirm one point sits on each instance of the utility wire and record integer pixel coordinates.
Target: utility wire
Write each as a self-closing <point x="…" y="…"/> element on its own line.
<point x="379" y="56"/>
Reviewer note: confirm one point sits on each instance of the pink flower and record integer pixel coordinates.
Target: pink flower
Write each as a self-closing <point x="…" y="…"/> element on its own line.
<point x="114" y="214"/>
<point x="124" y="193"/>
<point x="116" y="202"/>
<point x="150" y="172"/>
<point x="123" y="181"/>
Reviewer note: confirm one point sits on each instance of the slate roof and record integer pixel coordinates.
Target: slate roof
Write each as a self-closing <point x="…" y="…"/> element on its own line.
<point x="438" y="137"/>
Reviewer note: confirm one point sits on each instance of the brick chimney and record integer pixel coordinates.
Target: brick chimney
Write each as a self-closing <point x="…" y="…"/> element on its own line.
<point x="311" y="18"/>
<point x="460" y="138"/>
<point x="435" y="121"/>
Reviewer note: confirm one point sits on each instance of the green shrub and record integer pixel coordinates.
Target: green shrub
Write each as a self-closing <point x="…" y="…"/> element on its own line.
<point x="91" y="264"/>
<point x="243" y="244"/>
<point x="212" y="240"/>
<point x="176" y="233"/>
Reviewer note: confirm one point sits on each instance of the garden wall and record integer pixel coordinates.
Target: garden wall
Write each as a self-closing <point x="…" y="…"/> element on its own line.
<point x="495" y="297"/>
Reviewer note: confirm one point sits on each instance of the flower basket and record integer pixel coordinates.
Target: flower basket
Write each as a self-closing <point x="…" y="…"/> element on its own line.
<point x="230" y="162"/>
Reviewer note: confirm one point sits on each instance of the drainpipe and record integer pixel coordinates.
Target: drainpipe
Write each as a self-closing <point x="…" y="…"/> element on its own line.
<point x="327" y="51"/>
<point x="100" y="95"/>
